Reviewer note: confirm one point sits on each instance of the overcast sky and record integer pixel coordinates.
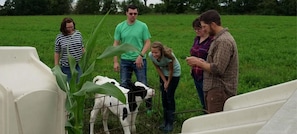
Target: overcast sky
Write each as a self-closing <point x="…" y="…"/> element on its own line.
<point x="148" y="2"/>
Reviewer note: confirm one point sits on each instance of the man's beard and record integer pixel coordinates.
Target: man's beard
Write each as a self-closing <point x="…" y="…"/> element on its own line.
<point x="211" y="32"/>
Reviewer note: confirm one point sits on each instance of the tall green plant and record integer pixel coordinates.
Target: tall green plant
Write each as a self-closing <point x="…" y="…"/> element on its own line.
<point x="78" y="89"/>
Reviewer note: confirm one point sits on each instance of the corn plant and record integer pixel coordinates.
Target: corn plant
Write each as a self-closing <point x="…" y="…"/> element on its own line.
<point x="78" y="89"/>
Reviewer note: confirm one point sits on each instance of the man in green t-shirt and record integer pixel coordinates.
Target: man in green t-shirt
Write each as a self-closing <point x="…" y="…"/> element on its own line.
<point x="136" y="33"/>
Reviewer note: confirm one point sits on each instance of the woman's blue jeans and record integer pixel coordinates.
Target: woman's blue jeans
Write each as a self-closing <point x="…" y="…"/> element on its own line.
<point x="199" y="88"/>
<point x="66" y="70"/>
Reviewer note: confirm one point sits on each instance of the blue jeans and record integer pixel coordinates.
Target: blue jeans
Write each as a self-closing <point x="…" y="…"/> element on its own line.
<point x="199" y="86"/>
<point x="127" y="67"/>
<point x="168" y="101"/>
<point x="66" y="70"/>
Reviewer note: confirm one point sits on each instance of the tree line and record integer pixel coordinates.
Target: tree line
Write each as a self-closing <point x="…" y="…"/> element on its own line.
<point x="61" y="7"/>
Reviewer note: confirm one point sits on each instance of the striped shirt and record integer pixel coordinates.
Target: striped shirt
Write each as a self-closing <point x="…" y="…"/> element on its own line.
<point x="75" y="44"/>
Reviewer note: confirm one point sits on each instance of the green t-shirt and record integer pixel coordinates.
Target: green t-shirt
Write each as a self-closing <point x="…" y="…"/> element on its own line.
<point x="134" y="34"/>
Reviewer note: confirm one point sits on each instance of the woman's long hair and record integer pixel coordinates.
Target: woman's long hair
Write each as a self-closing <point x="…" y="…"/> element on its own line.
<point x="165" y="51"/>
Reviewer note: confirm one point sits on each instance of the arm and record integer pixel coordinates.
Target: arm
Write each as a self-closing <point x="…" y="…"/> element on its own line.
<point x="160" y="72"/>
<point x="221" y="59"/>
<point x="83" y="50"/>
<point x="56" y="57"/>
<point x="146" y="47"/>
<point x="116" y="66"/>
<point x="170" y="68"/>
<point x="204" y="65"/>
<point x="147" y="44"/>
<point x="82" y="44"/>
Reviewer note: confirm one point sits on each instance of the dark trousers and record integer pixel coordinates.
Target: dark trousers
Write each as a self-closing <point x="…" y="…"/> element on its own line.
<point x="168" y="101"/>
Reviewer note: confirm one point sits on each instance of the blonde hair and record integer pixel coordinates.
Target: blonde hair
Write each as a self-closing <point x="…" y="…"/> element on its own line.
<point x="165" y="51"/>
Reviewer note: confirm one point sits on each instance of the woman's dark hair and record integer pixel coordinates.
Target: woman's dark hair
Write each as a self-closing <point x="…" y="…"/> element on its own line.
<point x="63" y="25"/>
<point x="211" y="16"/>
<point x="196" y="23"/>
<point x="165" y="51"/>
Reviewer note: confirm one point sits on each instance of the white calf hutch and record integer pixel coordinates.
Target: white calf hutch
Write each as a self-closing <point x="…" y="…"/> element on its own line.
<point x="30" y="100"/>
<point x="271" y="110"/>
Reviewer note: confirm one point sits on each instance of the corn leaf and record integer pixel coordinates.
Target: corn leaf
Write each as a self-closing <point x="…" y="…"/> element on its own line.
<point x="107" y="88"/>
<point x="89" y="70"/>
<point x="61" y="78"/>
<point x="117" y="50"/>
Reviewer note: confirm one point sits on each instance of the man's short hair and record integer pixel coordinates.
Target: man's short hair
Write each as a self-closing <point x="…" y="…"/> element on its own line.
<point x="211" y="16"/>
<point x="131" y="7"/>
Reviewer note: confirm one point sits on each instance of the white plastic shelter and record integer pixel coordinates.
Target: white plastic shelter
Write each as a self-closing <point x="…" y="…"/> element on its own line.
<point x="30" y="99"/>
<point x="271" y="110"/>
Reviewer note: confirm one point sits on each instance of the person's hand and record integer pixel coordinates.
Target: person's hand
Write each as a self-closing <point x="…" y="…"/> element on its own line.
<point x="139" y="62"/>
<point x="116" y="67"/>
<point x="194" y="61"/>
<point x="166" y="84"/>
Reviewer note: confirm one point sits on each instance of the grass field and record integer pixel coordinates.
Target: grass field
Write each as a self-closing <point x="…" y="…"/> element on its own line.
<point x="267" y="47"/>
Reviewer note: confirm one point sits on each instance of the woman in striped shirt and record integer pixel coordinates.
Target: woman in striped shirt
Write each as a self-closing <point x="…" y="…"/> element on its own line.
<point x="69" y="39"/>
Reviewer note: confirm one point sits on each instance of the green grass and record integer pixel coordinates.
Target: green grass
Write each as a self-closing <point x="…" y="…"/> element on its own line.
<point x="267" y="47"/>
